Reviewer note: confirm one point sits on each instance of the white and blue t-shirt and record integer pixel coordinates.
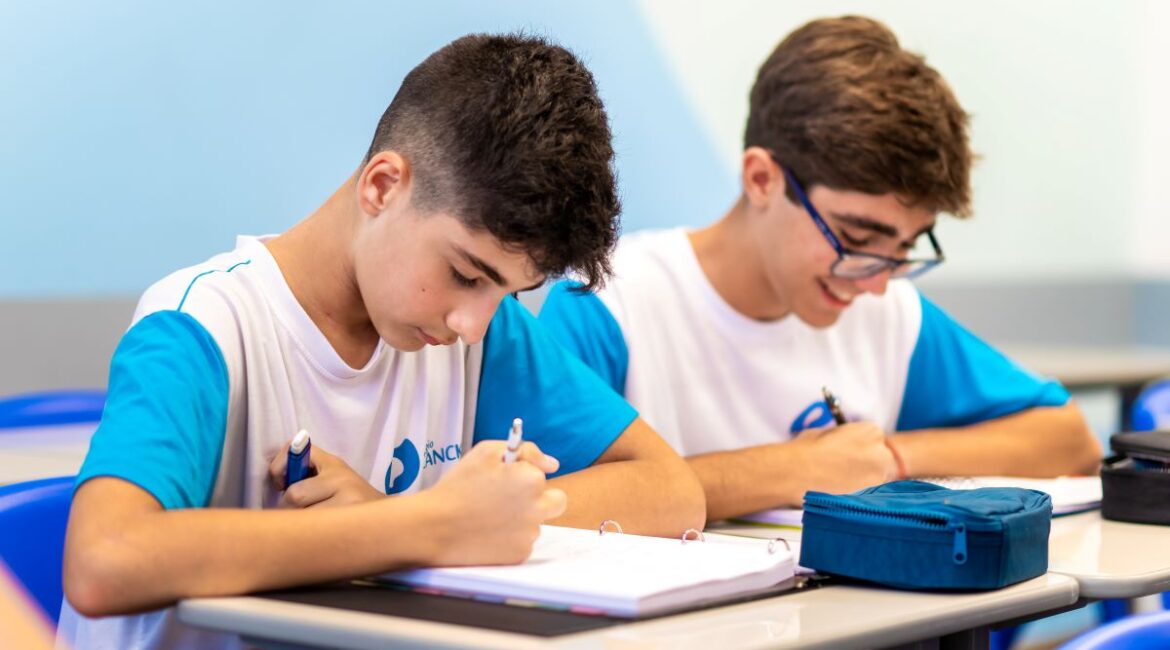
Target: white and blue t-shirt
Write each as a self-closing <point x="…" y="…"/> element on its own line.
<point x="708" y="378"/>
<point x="222" y="366"/>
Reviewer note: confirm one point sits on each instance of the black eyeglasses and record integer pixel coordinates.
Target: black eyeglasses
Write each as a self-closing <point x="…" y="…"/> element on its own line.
<point x="854" y="265"/>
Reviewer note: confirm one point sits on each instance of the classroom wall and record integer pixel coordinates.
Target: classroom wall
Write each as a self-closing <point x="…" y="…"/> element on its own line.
<point x="139" y="137"/>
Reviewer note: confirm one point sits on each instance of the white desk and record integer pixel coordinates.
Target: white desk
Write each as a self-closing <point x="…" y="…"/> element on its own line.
<point x="828" y="617"/>
<point x="1110" y="559"/>
<point x="42" y="452"/>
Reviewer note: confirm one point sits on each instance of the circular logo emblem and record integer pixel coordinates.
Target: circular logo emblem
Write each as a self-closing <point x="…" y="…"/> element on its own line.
<point x="403" y="468"/>
<point x="816" y="415"/>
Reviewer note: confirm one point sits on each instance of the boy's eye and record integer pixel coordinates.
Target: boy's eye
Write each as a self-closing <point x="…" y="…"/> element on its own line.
<point x="462" y="280"/>
<point x="854" y="242"/>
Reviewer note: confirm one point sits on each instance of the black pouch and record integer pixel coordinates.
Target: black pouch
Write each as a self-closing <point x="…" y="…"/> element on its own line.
<point x="1135" y="483"/>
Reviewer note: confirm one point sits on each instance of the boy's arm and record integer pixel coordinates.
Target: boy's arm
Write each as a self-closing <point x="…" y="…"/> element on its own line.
<point x="1041" y="442"/>
<point x="640" y="482"/>
<point x="1036" y="442"/>
<point x="837" y="460"/>
<point x="125" y="553"/>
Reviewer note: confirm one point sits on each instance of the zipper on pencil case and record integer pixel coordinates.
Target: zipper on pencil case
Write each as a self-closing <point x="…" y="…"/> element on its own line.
<point x="922" y="518"/>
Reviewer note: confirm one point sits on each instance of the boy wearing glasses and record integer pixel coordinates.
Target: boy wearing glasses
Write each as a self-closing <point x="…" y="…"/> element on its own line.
<point x="724" y="337"/>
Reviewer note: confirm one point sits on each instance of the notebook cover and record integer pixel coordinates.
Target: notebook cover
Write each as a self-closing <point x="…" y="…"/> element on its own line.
<point x="398" y="601"/>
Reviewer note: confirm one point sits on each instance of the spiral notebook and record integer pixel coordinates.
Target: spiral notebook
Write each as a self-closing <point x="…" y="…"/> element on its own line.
<point x="614" y="574"/>
<point x="1070" y="494"/>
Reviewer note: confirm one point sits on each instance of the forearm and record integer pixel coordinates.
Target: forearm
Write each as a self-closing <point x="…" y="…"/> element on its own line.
<point x="647" y="497"/>
<point x="752" y="479"/>
<point x="1040" y="442"/>
<point x="151" y="559"/>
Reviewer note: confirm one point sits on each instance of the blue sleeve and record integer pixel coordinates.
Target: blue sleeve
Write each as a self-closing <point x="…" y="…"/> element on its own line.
<point x="584" y="326"/>
<point x="166" y="412"/>
<point x="567" y="410"/>
<point x="955" y="379"/>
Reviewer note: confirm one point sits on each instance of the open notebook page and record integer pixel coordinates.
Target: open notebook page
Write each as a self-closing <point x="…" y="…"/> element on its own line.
<point x="616" y="574"/>
<point x="1069" y="494"/>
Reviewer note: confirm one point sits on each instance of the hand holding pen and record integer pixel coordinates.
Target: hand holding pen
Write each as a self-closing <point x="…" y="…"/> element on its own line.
<point x="834" y="406"/>
<point x="496" y="497"/>
<point x="313" y="477"/>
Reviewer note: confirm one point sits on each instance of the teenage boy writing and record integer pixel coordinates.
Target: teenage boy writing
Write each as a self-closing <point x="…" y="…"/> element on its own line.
<point x="724" y="337"/>
<point x="382" y="324"/>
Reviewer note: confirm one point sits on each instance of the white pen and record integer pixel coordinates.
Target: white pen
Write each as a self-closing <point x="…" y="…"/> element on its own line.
<point x="515" y="438"/>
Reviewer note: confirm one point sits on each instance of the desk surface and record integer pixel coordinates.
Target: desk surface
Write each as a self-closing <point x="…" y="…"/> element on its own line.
<point x="835" y="616"/>
<point x="1093" y="366"/>
<point x="1110" y="559"/>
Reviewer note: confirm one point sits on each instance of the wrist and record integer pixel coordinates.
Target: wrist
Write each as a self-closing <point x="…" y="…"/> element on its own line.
<point x="802" y="464"/>
<point x="420" y="533"/>
<point x="901" y="471"/>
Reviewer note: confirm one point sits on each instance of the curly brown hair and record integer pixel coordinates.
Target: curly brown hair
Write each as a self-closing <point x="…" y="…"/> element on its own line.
<point x="841" y="104"/>
<point x="508" y="133"/>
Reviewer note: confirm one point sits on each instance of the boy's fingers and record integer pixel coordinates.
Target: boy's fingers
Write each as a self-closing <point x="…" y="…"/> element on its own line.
<point x="531" y="453"/>
<point x="303" y="494"/>
<point x="552" y="503"/>
<point x="277" y="466"/>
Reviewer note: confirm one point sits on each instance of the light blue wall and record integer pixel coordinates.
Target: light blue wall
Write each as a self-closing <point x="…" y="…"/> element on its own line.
<point x="138" y="137"/>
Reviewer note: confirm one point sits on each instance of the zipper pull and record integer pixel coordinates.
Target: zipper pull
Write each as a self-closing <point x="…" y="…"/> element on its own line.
<point x="960" y="552"/>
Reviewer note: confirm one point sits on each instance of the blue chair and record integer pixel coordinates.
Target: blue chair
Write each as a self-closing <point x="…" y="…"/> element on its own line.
<point x="1151" y="410"/>
<point x="1134" y="633"/>
<point x="33" y="517"/>
<point x="51" y="408"/>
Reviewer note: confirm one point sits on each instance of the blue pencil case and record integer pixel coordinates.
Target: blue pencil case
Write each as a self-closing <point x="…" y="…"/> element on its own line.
<point x="915" y="535"/>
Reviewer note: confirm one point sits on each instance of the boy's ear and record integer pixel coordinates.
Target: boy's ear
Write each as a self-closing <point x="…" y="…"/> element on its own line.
<point x="384" y="179"/>
<point x="761" y="175"/>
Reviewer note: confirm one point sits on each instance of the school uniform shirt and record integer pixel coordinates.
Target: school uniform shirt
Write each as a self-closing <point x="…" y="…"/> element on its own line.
<point x="708" y="378"/>
<point x="222" y="367"/>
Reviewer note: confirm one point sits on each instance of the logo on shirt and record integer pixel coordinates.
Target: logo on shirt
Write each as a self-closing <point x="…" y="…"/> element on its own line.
<point x="403" y="468"/>
<point x="815" y="416"/>
<point x="407" y="463"/>
<point x="439" y="455"/>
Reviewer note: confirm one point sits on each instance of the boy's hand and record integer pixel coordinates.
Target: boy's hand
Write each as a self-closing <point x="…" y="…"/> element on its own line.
<point x="493" y="510"/>
<point x="846" y="458"/>
<point x="333" y="482"/>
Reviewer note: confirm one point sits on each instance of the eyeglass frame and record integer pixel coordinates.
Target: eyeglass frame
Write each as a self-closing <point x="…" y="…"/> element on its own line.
<point x="891" y="263"/>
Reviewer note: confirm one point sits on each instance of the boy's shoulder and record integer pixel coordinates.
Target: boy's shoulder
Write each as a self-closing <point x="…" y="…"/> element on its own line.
<point x="218" y="293"/>
<point x="215" y="279"/>
<point x="646" y="261"/>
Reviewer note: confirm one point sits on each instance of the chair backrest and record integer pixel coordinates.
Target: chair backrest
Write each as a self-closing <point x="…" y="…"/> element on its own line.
<point x="1151" y="409"/>
<point x="51" y="408"/>
<point x="1147" y="631"/>
<point x="33" y="517"/>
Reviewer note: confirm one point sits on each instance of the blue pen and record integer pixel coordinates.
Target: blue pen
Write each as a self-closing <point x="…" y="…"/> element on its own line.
<point x="298" y="459"/>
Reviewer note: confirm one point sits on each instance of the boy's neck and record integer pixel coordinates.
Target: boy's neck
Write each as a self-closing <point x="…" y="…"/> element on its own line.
<point x="316" y="259"/>
<point x="730" y="258"/>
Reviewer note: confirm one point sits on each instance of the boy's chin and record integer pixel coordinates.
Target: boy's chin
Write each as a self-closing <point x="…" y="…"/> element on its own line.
<point x="405" y="340"/>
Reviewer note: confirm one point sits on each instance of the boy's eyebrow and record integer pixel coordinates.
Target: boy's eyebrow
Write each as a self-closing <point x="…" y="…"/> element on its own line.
<point x="487" y="269"/>
<point x="490" y="270"/>
<point x="859" y="221"/>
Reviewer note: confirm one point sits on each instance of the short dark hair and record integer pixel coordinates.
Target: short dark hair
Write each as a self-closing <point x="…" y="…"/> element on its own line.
<point x="509" y="134"/>
<point x="841" y="104"/>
